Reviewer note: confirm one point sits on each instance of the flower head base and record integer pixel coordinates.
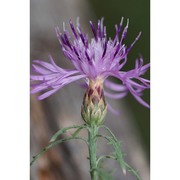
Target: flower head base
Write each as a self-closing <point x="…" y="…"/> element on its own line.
<point x="98" y="58"/>
<point x="94" y="106"/>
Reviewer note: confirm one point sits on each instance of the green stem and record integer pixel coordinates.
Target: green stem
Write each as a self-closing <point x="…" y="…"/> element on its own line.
<point x="93" y="129"/>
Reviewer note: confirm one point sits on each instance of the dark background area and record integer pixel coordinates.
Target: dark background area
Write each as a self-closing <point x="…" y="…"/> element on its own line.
<point x="138" y="13"/>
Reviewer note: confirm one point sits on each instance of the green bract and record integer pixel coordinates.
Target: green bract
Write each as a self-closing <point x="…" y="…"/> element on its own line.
<point x="94" y="107"/>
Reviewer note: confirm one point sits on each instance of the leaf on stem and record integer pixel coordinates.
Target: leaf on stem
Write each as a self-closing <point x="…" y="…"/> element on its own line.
<point x="118" y="154"/>
<point x="52" y="144"/>
<point x="64" y="130"/>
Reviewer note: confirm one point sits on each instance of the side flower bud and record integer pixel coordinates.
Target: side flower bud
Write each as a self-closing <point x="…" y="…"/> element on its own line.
<point x="94" y="107"/>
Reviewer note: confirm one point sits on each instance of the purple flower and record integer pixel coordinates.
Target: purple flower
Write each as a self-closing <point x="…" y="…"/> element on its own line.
<point x="97" y="58"/>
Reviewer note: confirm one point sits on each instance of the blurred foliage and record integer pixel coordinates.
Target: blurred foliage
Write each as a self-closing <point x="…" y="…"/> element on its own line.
<point x="138" y="13"/>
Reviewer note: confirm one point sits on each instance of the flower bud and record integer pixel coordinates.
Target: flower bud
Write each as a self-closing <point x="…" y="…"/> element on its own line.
<point x="94" y="108"/>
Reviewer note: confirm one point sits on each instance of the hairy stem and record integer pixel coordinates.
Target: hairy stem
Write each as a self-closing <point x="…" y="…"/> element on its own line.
<point x="92" y="151"/>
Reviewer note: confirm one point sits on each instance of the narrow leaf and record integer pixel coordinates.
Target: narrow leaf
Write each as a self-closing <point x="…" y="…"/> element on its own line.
<point x="52" y="145"/>
<point x="64" y="130"/>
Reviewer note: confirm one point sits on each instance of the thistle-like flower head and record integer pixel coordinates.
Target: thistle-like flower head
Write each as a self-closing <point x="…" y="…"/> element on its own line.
<point x="94" y="104"/>
<point x="97" y="58"/>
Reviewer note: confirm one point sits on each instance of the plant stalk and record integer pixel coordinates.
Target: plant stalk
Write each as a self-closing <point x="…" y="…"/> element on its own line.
<point x="92" y="151"/>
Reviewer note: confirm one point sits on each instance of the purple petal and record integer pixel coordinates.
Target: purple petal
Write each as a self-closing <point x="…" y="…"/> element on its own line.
<point x="67" y="41"/>
<point x="138" y="98"/>
<point x="124" y="32"/>
<point x="118" y="30"/>
<point x="138" y="63"/>
<point x="136" y="84"/>
<point x="141" y="101"/>
<point x="58" y="34"/>
<point x="47" y="94"/>
<point x="43" y="77"/>
<point x="105" y="48"/>
<point x="122" y="63"/>
<point x="144" y="80"/>
<point x="102" y="29"/>
<point x="38" y="88"/>
<point x="117" y="50"/>
<point x="56" y="88"/>
<point x="130" y="47"/>
<point x="82" y="85"/>
<point x="144" y="68"/>
<point x="68" y="54"/>
<point x="40" y="70"/>
<point x="133" y="91"/>
<point x="46" y="65"/>
<point x="114" y="86"/>
<point x="73" y="29"/>
<point x="67" y="80"/>
<point x="54" y="64"/>
<point x="116" y="112"/>
<point x="93" y="29"/>
<point x="115" y="95"/>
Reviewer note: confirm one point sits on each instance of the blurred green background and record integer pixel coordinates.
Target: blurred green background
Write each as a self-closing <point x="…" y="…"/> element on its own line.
<point x="138" y="12"/>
